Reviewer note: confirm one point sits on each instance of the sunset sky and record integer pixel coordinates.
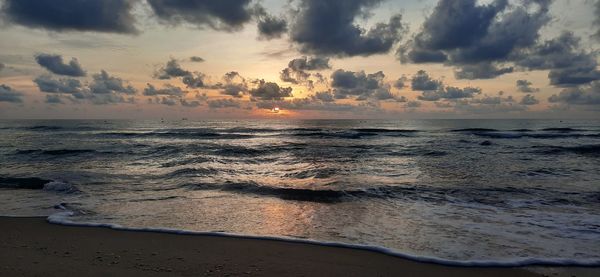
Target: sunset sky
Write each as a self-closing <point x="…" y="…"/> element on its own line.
<point x="309" y="58"/>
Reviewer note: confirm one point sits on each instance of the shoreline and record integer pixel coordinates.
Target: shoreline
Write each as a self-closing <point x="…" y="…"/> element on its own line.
<point x="32" y="246"/>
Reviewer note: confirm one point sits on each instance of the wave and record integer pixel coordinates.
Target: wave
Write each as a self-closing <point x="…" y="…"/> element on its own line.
<point x="192" y="172"/>
<point x="61" y="187"/>
<point x="180" y="135"/>
<point x="516" y="135"/>
<point x="56" y="152"/>
<point x="566" y="130"/>
<point x="488" y="196"/>
<point x="589" y="150"/>
<point x="63" y="218"/>
<point x="474" y="130"/>
<point x="384" y="130"/>
<point x="23" y="183"/>
<point x="35" y="183"/>
<point x="44" y="128"/>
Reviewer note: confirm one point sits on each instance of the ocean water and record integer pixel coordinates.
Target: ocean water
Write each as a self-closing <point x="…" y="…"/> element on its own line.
<point x="453" y="190"/>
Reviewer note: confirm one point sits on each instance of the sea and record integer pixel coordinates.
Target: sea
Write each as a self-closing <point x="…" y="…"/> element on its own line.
<point x="465" y="192"/>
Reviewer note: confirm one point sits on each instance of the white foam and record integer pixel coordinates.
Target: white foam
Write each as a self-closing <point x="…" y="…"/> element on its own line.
<point x="62" y="218"/>
<point x="57" y="186"/>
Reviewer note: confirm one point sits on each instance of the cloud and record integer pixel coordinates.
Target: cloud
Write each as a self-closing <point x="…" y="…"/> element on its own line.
<point x="7" y="94"/>
<point x="190" y="104"/>
<point x="476" y="37"/>
<point x="328" y="28"/>
<point x="492" y="100"/>
<point x="525" y="87"/>
<point x="270" y="27"/>
<point x="449" y="93"/>
<point x="422" y="82"/>
<point x="309" y="64"/>
<point x="195" y="80"/>
<point x="413" y="104"/>
<point x="483" y="70"/>
<point x="464" y="106"/>
<point x="235" y="85"/>
<point x="2" y="66"/>
<point x="568" y="65"/>
<point x="55" y="64"/>
<point x="47" y="84"/>
<point x="296" y="72"/>
<point x="103" y="89"/>
<point x="223" y="103"/>
<point x="111" y="16"/>
<point x="168" y="89"/>
<point x="171" y="70"/>
<point x="196" y="59"/>
<point x="588" y="94"/>
<point x="529" y="100"/>
<point x="53" y="99"/>
<point x="225" y="15"/>
<point x="324" y="96"/>
<point x="360" y="85"/>
<point x="270" y="91"/>
<point x="103" y="83"/>
<point x="401" y="82"/>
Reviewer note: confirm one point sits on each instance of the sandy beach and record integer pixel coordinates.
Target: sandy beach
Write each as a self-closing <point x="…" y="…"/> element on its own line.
<point x="33" y="247"/>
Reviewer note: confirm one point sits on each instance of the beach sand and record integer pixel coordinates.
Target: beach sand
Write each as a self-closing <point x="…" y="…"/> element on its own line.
<point x="33" y="247"/>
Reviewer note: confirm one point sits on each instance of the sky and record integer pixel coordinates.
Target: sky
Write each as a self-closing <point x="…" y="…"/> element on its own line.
<point x="392" y="59"/>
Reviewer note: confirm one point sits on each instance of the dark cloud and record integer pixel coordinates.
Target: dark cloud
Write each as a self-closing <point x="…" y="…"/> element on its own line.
<point x="449" y="93"/>
<point x="168" y="89"/>
<point x="103" y="89"/>
<point x="401" y="82"/>
<point x="7" y="94"/>
<point x="481" y="71"/>
<point x="413" y="104"/>
<point x="196" y="59"/>
<point x="270" y="91"/>
<point x="582" y="95"/>
<point x="473" y="107"/>
<point x="476" y="37"/>
<point x="324" y="96"/>
<point x="190" y="104"/>
<point x="529" y="100"/>
<point x="55" y="64"/>
<point x="234" y="85"/>
<point x="227" y="15"/>
<point x="47" y="84"/>
<point x="171" y="70"/>
<point x="53" y="99"/>
<point x="113" y="16"/>
<point x="103" y="83"/>
<point x="296" y="72"/>
<point x="295" y="77"/>
<point x="360" y="85"/>
<point x="270" y="27"/>
<point x="194" y="80"/>
<point x="328" y="28"/>
<point x="568" y="64"/>
<point x="223" y="103"/>
<point x="422" y="82"/>
<point x="525" y="87"/>
<point x="309" y="64"/>
<point x="492" y="100"/>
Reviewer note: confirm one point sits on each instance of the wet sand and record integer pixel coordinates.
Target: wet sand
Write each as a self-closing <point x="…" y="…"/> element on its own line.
<point x="33" y="247"/>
